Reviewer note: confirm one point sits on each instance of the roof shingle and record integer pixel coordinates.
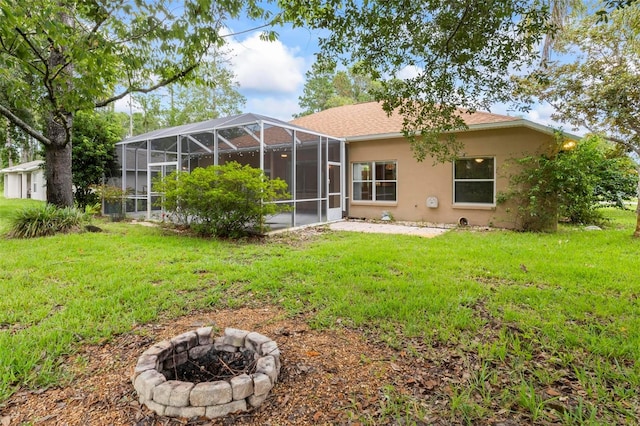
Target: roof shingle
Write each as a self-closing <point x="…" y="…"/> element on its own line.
<point x="369" y="118"/>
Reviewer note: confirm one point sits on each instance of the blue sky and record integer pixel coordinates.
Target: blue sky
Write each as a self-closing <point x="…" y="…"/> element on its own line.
<point x="271" y="75"/>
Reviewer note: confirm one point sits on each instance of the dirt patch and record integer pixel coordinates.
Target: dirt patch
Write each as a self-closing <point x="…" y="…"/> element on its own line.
<point x="325" y="377"/>
<point x="387" y="228"/>
<point x="328" y="377"/>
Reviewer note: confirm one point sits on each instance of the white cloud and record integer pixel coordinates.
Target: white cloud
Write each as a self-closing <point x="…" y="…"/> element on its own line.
<point x="281" y="108"/>
<point x="265" y="66"/>
<point x="541" y="114"/>
<point x="122" y="105"/>
<point x="409" y="71"/>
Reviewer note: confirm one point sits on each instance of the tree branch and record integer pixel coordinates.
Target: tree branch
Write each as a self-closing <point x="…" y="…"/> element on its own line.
<point x="461" y="21"/>
<point x="61" y="68"/>
<point x="626" y="144"/>
<point x="28" y="41"/>
<point x="163" y="83"/>
<point x="8" y="49"/>
<point x="24" y="126"/>
<point x="46" y="74"/>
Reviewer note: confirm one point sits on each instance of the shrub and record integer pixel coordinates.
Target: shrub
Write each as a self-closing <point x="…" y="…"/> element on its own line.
<point x="570" y="184"/>
<point x="112" y="198"/>
<point x="45" y="220"/>
<point x="619" y="179"/>
<point x="225" y="201"/>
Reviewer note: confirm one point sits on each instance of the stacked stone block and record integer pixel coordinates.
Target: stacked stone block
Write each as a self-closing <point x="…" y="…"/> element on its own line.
<point x="174" y="398"/>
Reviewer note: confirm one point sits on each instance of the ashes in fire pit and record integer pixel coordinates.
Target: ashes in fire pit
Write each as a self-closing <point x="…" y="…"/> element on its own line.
<point x="194" y="375"/>
<point x="213" y="366"/>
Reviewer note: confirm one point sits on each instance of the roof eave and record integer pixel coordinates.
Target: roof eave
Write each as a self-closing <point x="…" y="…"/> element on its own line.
<point x="522" y="123"/>
<point x="473" y="127"/>
<point x="229" y="122"/>
<point x="18" y="169"/>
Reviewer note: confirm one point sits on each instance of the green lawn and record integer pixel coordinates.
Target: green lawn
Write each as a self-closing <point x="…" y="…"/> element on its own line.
<point x="9" y="207"/>
<point x="532" y="310"/>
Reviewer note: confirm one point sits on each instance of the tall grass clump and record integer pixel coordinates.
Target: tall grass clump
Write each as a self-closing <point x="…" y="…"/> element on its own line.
<point x="44" y="220"/>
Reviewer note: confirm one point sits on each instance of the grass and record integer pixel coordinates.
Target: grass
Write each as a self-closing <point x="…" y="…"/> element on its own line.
<point x="532" y="311"/>
<point x="9" y="209"/>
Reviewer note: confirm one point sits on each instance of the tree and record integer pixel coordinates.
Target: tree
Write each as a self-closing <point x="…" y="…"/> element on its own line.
<point x="58" y="57"/>
<point x="600" y="87"/>
<point x="462" y="55"/>
<point x="212" y="93"/>
<point x="328" y="88"/>
<point x="94" y="137"/>
<point x="149" y="118"/>
<point x="15" y="145"/>
<point x="318" y="89"/>
<point x="618" y="178"/>
<point x="610" y="5"/>
<point x="215" y="94"/>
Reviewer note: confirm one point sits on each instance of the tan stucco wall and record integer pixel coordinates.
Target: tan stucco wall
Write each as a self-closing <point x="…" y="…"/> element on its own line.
<point x="419" y="180"/>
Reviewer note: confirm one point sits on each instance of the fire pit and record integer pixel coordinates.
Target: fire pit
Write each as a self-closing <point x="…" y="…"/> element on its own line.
<point x="195" y="375"/>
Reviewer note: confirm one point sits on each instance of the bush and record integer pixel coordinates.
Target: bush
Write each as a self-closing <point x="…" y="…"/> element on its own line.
<point x="228" y="201"/>
<point x="112" y="198"/>
<point x="570" y="184"/>
<point x="45" y="220"/>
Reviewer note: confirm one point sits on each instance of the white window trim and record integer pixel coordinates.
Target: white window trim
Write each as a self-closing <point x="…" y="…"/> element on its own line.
<point x="373" y="181"/>
<point x="468" y="204"/>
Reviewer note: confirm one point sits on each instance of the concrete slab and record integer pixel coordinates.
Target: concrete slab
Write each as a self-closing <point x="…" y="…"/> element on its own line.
<point x="386" y="228"/>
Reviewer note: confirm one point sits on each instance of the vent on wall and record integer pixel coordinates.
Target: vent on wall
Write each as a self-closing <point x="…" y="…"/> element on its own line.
<point x="432" y="202"/>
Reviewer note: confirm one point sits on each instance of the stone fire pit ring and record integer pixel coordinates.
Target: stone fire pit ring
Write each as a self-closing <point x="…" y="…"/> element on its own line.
<point x="175" y="398"/>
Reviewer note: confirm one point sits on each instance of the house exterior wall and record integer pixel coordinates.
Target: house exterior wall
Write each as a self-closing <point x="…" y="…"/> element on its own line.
<point x="25" y="185"/>
<point x="417" y="181"/>
<point x="13" y="185"/>
<point x="38" y="187"/>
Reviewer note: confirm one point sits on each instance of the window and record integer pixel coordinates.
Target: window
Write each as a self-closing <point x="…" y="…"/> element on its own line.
<point x="474" y="180"/>
<point x="375" y="181"/>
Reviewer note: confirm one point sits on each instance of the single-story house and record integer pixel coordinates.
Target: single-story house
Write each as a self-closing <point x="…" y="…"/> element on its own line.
<point x="25" y="180"/>
<point x="348" y="161"/>
<point x="384" y="178"/>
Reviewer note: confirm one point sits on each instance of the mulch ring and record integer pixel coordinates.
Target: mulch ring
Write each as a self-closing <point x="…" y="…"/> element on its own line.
<point x="335" y="376"/>
<point x="326" y="377"/>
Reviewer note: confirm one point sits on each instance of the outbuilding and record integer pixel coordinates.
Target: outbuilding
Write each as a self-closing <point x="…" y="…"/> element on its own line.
<point x="25" y="180"/>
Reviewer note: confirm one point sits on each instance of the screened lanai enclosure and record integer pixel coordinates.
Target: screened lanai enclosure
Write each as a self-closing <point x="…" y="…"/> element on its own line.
<point x="310" y="163"/>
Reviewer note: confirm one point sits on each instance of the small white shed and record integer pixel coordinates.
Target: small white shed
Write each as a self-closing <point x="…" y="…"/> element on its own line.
<point x="25" y="180"/>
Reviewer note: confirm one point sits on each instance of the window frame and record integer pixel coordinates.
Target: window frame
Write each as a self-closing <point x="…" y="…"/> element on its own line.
<point x="492" y="180"/>
<point x="373" y="181"/>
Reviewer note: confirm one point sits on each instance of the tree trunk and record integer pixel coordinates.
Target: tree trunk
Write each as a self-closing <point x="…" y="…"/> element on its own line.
<point x="58" y="164"/>
<point x="637" y="231"/>
<point x="8" y="142"/>
<point x="57" y="152"/>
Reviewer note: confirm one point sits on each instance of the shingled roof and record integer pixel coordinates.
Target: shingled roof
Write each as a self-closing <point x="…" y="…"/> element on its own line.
<point x="24" y="167"/>
<point x="368" y="119"/>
